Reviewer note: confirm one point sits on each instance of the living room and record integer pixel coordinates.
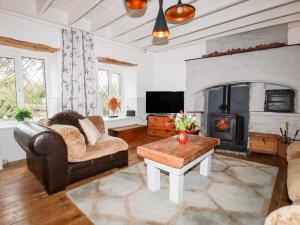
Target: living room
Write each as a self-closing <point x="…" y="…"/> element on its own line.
<point x="109" y="110"/>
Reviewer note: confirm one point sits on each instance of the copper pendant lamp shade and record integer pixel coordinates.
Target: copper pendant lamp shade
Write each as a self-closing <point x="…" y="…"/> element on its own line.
<point x="180" y="12"/>
<point x="136" y="4"/>
<point x="161" y="29"/>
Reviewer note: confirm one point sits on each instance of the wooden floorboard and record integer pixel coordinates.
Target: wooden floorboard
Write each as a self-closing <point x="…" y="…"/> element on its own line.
<point x="24" y="201"/>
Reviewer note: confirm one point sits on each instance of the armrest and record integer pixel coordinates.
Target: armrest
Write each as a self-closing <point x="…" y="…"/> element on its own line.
<point x="50" y="154"/>
<point x="40" y="140"/>
<point x="293" y="151"/>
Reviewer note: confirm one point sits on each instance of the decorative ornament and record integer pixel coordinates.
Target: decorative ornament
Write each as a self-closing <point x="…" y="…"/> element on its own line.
<point x="113" y="105"/>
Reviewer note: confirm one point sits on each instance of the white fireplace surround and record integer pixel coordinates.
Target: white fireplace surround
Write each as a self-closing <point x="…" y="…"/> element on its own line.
<point x="277" y="68"/>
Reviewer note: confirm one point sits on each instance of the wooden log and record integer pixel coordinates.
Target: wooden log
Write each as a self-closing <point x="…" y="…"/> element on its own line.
<point x="115" y="61"/>
<point x="26" y="45"/>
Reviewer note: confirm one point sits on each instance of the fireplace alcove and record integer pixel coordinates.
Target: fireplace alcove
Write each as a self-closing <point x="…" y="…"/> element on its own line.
<point x="270" y="69"/>
<point x="228" y="115"/>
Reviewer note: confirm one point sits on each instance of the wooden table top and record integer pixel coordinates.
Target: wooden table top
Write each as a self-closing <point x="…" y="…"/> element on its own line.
<point x="171" y="153"/>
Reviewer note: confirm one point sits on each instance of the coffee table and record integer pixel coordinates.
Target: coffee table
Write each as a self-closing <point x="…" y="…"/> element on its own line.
<point x="170" y="156"/>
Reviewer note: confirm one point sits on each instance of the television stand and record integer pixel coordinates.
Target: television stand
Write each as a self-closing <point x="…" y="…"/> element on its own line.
<point x="160" y="126"/>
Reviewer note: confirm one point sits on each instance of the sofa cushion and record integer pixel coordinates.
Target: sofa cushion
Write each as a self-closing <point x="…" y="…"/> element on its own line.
<point x="90" y="130"/>
<point x="287" y="215"/>
<point x="74" y="140"/>
<point x="98" y="122"/>
<point x="107" y="145"/>
<point x="293" y="179"/>
<point x="71" y="118"/>
<point x="293" y="151"/>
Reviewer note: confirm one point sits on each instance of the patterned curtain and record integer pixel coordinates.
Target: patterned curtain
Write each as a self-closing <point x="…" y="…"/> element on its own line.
<point x="79" y="89"/>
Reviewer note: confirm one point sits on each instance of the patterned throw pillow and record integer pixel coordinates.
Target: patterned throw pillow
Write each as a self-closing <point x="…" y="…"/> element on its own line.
<point x="71" y="118"/>
<point x="74" y="140"/>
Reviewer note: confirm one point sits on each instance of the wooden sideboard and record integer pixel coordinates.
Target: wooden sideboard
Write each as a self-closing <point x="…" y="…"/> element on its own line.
<point x="160" y="126"/>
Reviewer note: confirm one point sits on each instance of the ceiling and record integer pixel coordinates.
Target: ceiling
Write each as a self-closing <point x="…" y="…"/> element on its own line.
<point x="110" y="19"/>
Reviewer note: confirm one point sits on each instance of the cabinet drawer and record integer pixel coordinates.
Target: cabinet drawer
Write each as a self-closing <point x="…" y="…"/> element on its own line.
<point x="169" y="123"/>
<point x="169" y="120"/>
<point x="156" y="126"/>
<point x="170" y="127"/>
<point x="160" y="133"/>
<point x="155" y="120"/>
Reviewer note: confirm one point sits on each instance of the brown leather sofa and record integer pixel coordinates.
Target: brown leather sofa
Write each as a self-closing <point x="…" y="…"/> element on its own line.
<point x="46" y="154"/>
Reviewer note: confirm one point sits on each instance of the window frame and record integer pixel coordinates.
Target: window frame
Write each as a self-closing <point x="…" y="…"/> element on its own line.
<point x="17" y="55"/>
<point x="112" y="69"/>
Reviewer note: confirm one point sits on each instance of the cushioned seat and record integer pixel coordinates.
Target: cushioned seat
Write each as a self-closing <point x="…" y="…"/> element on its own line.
<point x="293" y="179"/>
<point x="288" y="215"/>
<point x="107" y="145"/>
<point x="293" y="151"/>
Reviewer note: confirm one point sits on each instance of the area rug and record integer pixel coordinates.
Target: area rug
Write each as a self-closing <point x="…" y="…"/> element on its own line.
<point x="237" y="192"/>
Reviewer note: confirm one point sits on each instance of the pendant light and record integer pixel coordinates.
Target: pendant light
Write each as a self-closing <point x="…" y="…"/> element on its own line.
<point x="136" y="4"/>
<point x="180" y="12"/>
<point x="161" y="29"/>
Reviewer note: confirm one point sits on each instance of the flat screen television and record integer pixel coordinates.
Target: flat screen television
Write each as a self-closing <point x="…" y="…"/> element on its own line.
<point x="164" y="101"/>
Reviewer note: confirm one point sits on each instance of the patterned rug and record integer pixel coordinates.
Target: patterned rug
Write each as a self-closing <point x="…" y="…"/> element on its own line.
<point x="237" y="192"/>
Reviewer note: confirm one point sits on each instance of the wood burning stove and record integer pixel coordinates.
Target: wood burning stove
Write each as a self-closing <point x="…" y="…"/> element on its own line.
<point x="227" y="126"/>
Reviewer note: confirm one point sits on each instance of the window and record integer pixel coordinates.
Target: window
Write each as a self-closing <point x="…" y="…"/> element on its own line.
<point x="22" y="84"/>
<point x="8" y="97"/>
<point x="103" y="88"/>
<point x="109" y="86"/>
<point x="33" y="71"/>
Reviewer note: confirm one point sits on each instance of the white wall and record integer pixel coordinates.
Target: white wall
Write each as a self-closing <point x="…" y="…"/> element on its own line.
<point x="9" y="149"/>
<point x="28" y="30"/>
<point x="278" y="33"/>
<point x="294" y="33"/>
<point x="170" y="67"/>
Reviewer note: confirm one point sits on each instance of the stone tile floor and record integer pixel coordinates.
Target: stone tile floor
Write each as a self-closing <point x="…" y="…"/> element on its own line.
<point x="237" y="192"/>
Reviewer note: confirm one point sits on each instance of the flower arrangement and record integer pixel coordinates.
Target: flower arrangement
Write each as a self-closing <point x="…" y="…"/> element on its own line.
<point x="23" y="114"/>
<point x="183" y="121"/>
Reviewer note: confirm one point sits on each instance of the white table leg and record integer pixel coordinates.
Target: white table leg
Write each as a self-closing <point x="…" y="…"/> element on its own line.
<point x="176" y="188"/>
<point x="153" y="178"/>
<point x="205" y="166"/>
